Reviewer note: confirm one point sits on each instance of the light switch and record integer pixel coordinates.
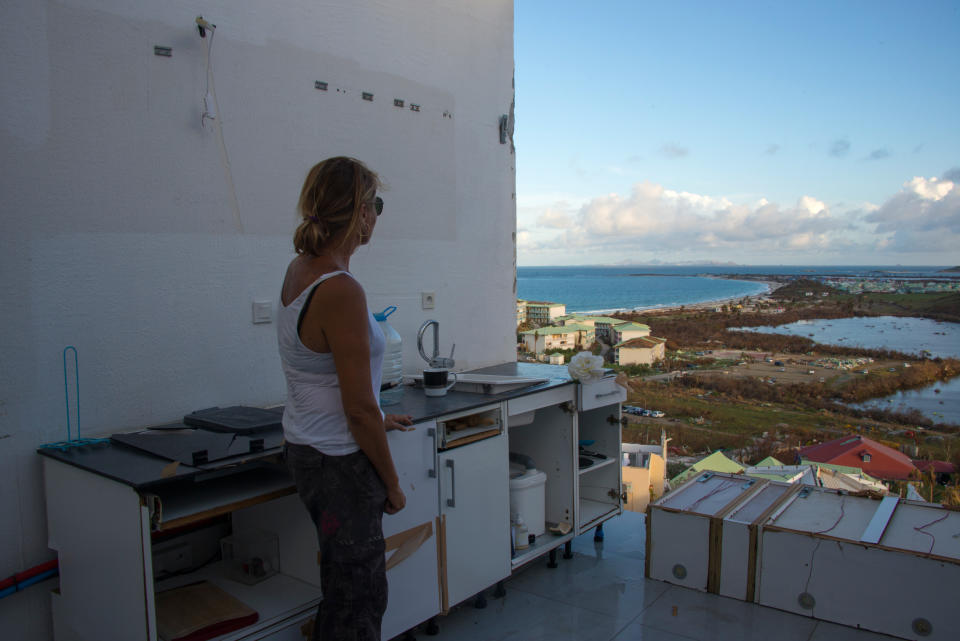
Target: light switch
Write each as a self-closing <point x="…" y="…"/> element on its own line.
<point x="262" y="311"/>
<point x="428" y="300"/>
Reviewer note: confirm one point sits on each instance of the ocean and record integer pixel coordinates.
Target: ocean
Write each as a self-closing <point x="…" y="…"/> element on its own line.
<point x="608" y="289"/>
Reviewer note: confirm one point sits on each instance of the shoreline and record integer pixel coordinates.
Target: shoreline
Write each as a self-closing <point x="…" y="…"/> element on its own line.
<point x="701" y="305"/>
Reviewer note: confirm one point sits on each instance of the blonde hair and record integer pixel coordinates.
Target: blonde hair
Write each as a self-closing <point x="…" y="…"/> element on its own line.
<point x="331" y="200"/>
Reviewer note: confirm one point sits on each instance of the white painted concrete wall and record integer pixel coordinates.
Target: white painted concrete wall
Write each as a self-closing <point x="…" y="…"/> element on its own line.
<point x="142" y="238"/>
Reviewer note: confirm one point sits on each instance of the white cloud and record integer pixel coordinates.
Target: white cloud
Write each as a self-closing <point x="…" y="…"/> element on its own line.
<point x="923" y="216"/>
<point x="653" y="222"/>
<point x="555" y="219"/>
<point x="658" y="220"/>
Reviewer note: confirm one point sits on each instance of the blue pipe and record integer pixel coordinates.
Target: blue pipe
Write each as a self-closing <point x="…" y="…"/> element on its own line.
<point x="26" y="583"/>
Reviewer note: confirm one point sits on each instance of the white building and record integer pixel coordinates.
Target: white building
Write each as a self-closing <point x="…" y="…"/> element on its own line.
<point x="625" y="331"/>
<point x="144" y="233"/>
<point x="543" y="312"/>
<point x="539" y="340"/>
<point x="645" y="350"/>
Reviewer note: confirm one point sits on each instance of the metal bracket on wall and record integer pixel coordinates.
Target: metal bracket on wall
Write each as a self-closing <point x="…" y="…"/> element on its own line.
<point x="504" y="119"/>
<point x="319" y="84"/>
<point x="166" y="52"/>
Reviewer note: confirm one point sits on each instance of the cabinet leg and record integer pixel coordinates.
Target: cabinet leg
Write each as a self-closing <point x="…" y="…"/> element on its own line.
<point x="480" y="602"/>
<point x="568" y="550"/>
<point x="432" y="628"/>
<point x="499" y="592"/>
<point x="552" y="563"/>
<point x="598" y="533"/>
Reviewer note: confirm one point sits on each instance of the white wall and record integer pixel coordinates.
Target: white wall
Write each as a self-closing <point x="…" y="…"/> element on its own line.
<point x="142" y="238"/>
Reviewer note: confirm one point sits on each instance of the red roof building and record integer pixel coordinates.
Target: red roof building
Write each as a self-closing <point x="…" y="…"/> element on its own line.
<point x="939" y="467"/>
<point x="874" y="458"/>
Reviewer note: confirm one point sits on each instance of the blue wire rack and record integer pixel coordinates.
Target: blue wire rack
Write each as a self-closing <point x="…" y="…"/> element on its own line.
<point x="72" y="442"/>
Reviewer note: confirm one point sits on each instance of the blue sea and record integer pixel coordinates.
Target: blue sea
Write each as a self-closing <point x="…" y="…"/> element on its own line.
<point x="607" y="289"/>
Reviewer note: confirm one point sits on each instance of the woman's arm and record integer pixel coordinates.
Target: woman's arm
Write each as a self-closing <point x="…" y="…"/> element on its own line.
<point x="342" y="315"/>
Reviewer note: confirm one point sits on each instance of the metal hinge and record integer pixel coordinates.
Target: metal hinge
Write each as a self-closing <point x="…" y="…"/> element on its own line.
<point x="568" y="407"/>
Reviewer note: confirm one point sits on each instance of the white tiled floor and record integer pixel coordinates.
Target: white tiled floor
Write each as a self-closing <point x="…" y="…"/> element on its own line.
<point x="600" y="595"/>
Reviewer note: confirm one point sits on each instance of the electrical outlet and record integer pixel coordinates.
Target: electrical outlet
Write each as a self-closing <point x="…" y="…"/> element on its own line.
<point x="262" y="311"/>
<point x="428" y="300"/>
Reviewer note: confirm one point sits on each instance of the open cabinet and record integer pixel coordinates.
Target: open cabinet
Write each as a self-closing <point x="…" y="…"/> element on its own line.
<point x="120" y="547"/>
<point x="599" y="483"/>
<point x="543" y="438"/>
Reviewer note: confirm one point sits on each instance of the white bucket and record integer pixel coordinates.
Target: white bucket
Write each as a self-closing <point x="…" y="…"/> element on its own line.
<point x="527" y="493"/>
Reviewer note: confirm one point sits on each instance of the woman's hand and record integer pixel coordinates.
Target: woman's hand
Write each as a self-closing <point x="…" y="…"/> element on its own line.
<point x="397" y="422"/>
<point x="395" y="500"/>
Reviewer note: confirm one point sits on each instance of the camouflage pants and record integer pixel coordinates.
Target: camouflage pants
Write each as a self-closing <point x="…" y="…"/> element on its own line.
<point x="345" y="498"/>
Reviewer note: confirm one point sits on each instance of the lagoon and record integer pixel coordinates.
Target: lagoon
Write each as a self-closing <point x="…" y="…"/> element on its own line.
<point x="911" y="335"/>
<point x="939" y="402"/>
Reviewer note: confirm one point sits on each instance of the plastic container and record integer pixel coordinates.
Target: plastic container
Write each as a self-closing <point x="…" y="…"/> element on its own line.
<point x="251" y="556"/>
<point x="521" y="539"/>
<point x="392" y="359"/>
<point x="527" y="500"/>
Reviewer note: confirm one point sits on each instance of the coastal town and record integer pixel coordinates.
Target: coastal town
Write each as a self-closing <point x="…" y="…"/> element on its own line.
<point x="705" y="401"/>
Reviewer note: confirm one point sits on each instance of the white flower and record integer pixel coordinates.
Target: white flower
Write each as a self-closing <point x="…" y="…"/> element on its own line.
<point x="585" y="367"/>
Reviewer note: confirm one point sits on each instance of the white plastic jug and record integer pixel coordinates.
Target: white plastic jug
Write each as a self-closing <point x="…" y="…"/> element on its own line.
<point x="392" y="359"/>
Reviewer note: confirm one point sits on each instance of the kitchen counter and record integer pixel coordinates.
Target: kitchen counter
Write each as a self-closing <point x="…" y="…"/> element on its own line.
<point x="144" y="471"/>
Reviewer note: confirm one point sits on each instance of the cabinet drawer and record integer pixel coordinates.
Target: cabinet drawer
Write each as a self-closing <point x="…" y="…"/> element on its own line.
<point x="600" y="393"/>
<point x="546" y="398"/>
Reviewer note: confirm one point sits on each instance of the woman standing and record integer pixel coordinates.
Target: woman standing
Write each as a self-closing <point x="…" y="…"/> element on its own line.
<point x="331" y="349"/>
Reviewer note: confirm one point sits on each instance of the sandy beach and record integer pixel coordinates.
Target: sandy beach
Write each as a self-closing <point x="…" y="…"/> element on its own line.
<point x="710" y="304"/>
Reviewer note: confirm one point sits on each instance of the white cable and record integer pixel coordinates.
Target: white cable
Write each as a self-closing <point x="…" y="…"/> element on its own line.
<point x="211" y="111"/>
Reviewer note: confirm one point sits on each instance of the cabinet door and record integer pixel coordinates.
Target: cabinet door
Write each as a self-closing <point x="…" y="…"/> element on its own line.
<point x="413" y="577"/>
<point x="475" y="504"/>
<point x="414" y="454"/>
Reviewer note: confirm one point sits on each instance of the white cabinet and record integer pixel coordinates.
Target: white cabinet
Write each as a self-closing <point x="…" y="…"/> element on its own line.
<point x="541" y="427"/>
<point x="475" y="512"/>
<point x="106" y="533"/>
<point x="102" y="532"/>
<point x="599" y="486"/>
<point x="412" y="566"/>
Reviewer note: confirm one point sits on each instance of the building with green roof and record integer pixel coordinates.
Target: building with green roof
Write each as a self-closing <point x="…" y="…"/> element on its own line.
<point x="716" y="462"/>
<point x="573" y="336"/>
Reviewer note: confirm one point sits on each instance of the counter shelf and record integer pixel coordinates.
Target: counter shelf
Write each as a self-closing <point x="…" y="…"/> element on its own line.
<point x="271" y="598"/>
<point x="181" y="503"/>
<point x="598" y="463"/>
<point x="463" y="428"/>
<point x="541" y="545"/>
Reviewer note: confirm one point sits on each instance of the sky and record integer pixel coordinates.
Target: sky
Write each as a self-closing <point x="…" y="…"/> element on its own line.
<point x="756" y="133"/>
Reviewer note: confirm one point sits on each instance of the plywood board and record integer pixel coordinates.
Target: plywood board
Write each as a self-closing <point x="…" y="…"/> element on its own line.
<point x="924" y="529"/>
<point x="679" y="539"/>
<point x="710" y="497"/>
<point x="758" y="504"/>
<point x="826" y="512"/>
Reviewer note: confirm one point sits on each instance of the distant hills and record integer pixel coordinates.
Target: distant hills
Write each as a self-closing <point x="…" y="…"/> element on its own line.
<point x="951" y="269"/>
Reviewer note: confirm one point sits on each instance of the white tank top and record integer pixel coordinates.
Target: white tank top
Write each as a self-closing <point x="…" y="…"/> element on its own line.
<point x="313" y="414"/>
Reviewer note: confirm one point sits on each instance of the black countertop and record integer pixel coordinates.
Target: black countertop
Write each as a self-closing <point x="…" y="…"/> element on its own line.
<point x="144" y="471"/>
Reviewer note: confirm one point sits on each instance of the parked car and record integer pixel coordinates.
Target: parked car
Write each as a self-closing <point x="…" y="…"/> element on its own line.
<point x="656" y="414"/>
<point x="778" y="363"/>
